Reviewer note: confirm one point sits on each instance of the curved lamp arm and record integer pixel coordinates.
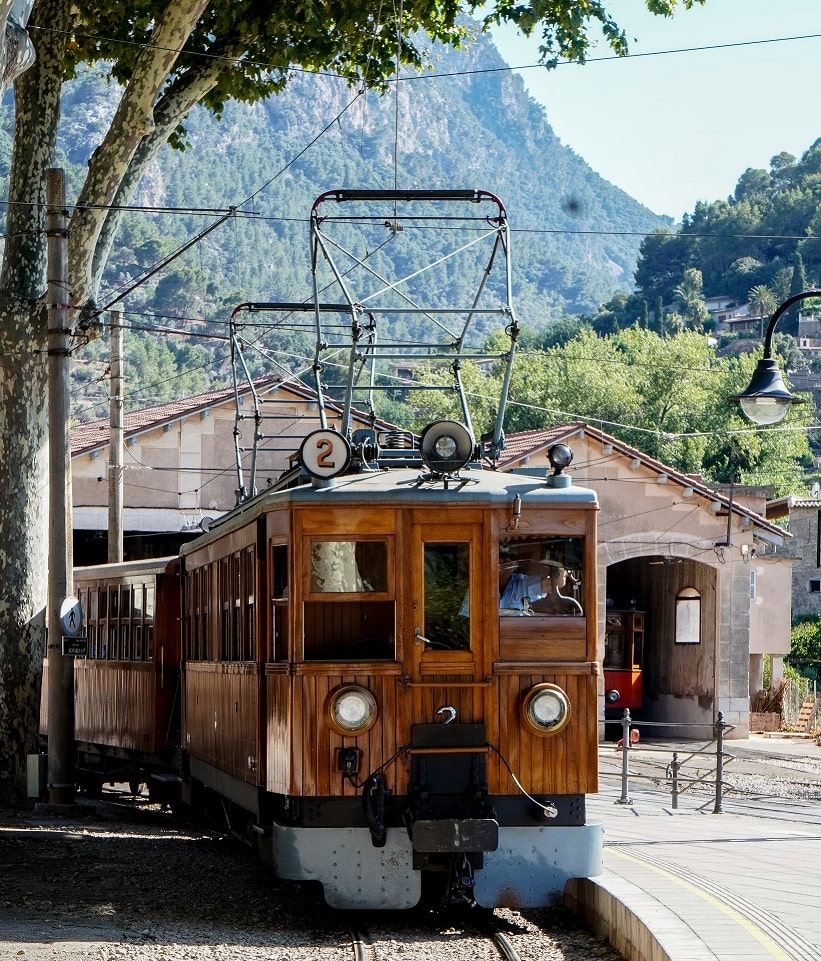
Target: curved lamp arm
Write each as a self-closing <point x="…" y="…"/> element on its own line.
<point x="767" y="400"/>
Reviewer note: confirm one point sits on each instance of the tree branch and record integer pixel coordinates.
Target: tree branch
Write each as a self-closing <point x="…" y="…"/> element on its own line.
<point x="172" y="108"/>
<point x="133" y="121"/>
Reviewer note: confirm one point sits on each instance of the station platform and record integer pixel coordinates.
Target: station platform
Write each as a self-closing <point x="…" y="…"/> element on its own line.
<point x="688" y="884"/>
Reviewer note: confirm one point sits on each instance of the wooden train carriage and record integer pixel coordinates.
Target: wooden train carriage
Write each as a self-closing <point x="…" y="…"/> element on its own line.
<point x="330" y="631"/>
<point x="127" y="689"/>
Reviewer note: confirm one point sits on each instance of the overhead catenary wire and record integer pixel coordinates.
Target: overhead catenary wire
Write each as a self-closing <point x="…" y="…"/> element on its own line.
<point x="702" y="48"/>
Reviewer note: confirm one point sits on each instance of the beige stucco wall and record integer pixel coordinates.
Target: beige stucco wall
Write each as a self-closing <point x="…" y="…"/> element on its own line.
<point x="770" y="616"/>
<point x="179" y="472"/>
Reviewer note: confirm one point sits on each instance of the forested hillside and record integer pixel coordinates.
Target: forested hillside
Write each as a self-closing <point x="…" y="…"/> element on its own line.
<point x="761" y="244"/>
<point x="466" y="122"/>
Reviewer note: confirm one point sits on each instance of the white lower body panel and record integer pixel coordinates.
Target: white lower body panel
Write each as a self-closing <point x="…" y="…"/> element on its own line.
<point x="529" y="868"/>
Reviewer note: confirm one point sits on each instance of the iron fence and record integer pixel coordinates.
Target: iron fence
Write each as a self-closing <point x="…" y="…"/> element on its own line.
<point x="688" y="770"/>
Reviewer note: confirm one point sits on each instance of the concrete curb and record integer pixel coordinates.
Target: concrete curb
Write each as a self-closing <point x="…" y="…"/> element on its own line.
<point x="635" y="924"/>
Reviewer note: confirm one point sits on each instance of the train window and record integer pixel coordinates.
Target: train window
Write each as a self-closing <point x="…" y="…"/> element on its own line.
<point x="148" y="622"/>
<point x="249" y="572"/>
<point x="92" y="608"/>
<point x="362" y="625"/>
<point x="277" y="645"/>
<point x="92" y="640"/>
<point x="149" y="601"/>
<point x="446" y="585"/>
<point x="114" y="603"/>
<point x="541" y="575"/>
<point x="196" y="619"/>
<point x="349" y="567"/>
<point x="125" y="601"/>
<point x="125" y="642"/>
<point x="279" y="572"/>
<point x="103" y="595"/>
<point x="224" y="614"/>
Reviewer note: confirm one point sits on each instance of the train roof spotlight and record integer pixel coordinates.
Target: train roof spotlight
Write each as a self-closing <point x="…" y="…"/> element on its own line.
<point x="446" y="446"/>
<point x="560" y="456"/>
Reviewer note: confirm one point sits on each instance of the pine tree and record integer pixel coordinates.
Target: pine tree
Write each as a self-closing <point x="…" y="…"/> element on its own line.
<point x="789" y="325"/>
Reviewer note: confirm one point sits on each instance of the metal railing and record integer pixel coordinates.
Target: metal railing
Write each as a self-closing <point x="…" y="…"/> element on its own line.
<point x="675" y="775"/>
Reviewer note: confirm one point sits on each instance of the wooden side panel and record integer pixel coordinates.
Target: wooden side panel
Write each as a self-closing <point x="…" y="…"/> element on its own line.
<point x="543" y="638"/>
<point x="279" y="760"/>
<point x="222" y="709"/>
<point x="115" y="704"/>
<point x="351" y="521"/>
<point x="316" y="746"/>
<point x="563" y="763"/>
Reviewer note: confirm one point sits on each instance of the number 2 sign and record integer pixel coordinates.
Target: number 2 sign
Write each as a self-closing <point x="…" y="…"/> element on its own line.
<point x="325" y="453"/>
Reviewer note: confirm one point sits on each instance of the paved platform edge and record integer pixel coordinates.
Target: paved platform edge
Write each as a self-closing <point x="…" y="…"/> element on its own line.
<point x="635" y="924"/>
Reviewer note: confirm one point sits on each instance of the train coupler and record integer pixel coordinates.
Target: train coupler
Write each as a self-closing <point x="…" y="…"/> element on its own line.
<point x="462" y="882"/>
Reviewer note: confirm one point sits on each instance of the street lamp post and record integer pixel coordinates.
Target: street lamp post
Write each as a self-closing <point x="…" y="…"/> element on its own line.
<point x="767" y="400"/>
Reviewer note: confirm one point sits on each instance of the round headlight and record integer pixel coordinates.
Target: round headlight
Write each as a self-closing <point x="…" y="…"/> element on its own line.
<point x="612" y="696"/>
<point x="560" y="456"/>
<point x="351" y="710"/>
<point x="446" y="446"/>
<point x="545" y="709"/>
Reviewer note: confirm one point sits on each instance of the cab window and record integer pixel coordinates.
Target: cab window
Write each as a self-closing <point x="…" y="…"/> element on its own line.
<point x="447" y="600"/>
<point x="349" y="611"/>
<point x="541" y="575"/>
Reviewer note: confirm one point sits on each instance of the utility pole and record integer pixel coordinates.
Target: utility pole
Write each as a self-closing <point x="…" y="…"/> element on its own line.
<point x="60" y="553"/>
<point x="116" y="466"/>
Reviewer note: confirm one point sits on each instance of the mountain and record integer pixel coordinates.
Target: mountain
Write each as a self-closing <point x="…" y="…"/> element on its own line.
<point x="466" y="122"/>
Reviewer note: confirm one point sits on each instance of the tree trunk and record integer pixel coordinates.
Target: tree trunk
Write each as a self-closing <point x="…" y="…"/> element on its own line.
<point x="23" y="582"/>
<point x="23" y="390"/>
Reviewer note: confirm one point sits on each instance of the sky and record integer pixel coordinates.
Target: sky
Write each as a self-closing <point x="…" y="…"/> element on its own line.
<point x="675" y="129"/>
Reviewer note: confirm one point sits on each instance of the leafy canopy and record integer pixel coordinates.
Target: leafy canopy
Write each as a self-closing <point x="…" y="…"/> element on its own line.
<point x="666" y="396"/>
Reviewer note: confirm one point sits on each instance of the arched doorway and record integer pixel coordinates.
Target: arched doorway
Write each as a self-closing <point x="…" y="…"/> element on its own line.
<point x="661" y="624"/>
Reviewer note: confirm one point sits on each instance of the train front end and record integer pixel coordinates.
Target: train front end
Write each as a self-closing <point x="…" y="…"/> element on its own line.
<point x="428" y="687"/>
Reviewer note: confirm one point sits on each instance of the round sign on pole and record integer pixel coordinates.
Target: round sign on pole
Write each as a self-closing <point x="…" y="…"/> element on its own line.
<point x="71" y="617"/>
<point x="324" y="453"/>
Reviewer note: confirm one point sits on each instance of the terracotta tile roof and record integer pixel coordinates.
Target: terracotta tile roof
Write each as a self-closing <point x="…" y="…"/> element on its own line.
<point x="781" y="506"/>
<point x="86" y="437"/>
<point x="527" y="443"/>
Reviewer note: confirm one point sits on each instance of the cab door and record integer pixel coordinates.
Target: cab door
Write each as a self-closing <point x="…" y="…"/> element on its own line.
<point x="447" y="652"/>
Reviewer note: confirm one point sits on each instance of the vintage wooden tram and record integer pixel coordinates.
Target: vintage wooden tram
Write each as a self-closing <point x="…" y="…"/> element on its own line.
<point x="386" y="661"/>
<point x="353" y="689"/>
<point x="350" y="694"/>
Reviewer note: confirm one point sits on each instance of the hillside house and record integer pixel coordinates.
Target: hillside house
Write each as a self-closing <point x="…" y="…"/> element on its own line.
<point x="802" y="516"/>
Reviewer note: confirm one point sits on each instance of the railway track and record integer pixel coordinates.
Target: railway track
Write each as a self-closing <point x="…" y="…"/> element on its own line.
<point x="474" y="935"/>
<point x="368" y="947"/>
